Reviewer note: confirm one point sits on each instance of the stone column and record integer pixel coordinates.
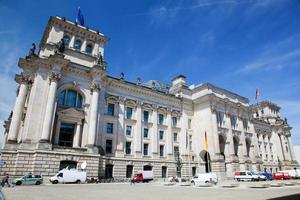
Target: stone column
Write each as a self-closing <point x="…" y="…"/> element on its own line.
<point x="169" y="139"/>
<point x="76" y="139"/>
<point x="291" y="147"/>
<point x="287" y="153"/>
<point x="18" y="109"/>
<point x="72" y="41"/>
<point x="138" y="131"/>
<point x="229" y="145"/>
<point x="121" y="131"/>
<point x="154" y="134"/>
<point x="57" y="132"/>
<point x="50" y="107"/>
<point x="93" y="119"/>
<point x="83" y="46"/>
<point x="282" y="145"/>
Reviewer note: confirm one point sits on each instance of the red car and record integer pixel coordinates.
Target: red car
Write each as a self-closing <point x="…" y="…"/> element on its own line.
<point x="281" y="176"/>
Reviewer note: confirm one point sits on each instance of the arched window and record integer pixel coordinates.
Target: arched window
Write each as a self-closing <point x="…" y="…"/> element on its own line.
<point x="70" y="98"/>
<point x="89" y="48"/>
<point x="77" y="44"/>
<point x="66" y="40"/>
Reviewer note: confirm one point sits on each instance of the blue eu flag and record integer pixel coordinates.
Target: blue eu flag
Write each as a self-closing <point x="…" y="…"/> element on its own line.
<point x="79" y="18"/>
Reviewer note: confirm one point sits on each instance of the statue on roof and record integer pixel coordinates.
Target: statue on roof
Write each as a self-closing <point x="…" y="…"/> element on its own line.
<point x="99" y="59"/>
<point x="32" y="50"/>
<point x="60" y="46"/>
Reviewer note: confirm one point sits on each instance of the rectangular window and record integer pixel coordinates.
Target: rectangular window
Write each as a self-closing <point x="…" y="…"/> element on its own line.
<point x="108" y="146"/>
<point x="161" y="150"/>
<point x="220" y="117"/>
<point x="161" y="135"/>
<point x="146" y="149"/>
<point x="128" y="113"/>
<point x="190" y="124"/>
<point x="175" y="135"/>
<point x="160" y="119"/>
<point x="146" y="116"/>
<point x="110" y="128"/>
<point x="128" y="130"/>
<point x="174" y="121"/>
<point x="146" y="133"/>
<point x="111" y="109"/>
<point x="233" y="119"/>
<point x="190" y="142"/>
<point x="245" y="124"/>
<point x="164" y="172"/>
<point x="176" y="152"/>
<point x="128" y="148"/>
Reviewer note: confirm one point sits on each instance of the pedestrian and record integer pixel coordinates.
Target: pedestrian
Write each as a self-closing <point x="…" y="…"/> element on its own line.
<point x="5" y="180"/>
<point x="132" y="182"/>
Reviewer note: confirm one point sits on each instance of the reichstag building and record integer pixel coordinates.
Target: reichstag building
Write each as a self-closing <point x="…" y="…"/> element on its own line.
<point x="68" y="110"/>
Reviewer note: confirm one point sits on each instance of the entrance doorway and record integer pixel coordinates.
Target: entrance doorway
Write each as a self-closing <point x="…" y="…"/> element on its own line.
<point x="66" y="135"/>
<point x="109" y="171"/>
<point x="206" y="158"/>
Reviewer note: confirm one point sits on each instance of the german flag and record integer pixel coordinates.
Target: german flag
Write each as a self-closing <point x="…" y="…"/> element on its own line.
<point x="206" y="142"/>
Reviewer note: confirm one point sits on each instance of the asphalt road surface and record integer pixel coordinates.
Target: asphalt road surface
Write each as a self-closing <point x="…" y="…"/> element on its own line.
<point x="145" y="191"/>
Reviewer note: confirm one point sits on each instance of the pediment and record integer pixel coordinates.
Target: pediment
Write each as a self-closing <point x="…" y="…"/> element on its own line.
<point x="72" y="112"/>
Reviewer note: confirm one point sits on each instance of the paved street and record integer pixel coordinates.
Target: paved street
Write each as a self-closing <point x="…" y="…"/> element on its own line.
<point x="145" y="191"/>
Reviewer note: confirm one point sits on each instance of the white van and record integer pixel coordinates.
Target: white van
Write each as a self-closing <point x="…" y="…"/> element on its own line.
<point x="69" y="176"/>
<point x="204" y="178"/>
<point x="246" y="176"/>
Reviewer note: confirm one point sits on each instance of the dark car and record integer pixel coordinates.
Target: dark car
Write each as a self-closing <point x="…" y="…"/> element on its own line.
<point x="269" y="176"/>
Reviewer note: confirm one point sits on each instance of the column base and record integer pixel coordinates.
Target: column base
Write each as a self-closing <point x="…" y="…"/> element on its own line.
<point x="138" y="154"/>
<point x="11" y="146"/>
<point x="27" y="146"/>
<point x="155" y="156"/>
<point x="44" y="145"/>
<point x="92" y="149"/>
<point x="119" y="153"/>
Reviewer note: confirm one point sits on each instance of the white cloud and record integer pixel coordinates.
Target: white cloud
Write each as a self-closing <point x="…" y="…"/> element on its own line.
<point x="276" y="62"/>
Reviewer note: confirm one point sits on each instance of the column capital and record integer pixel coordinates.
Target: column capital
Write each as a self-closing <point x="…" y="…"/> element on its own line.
<point x="154" y="107"/>
<point x="54" y="76"/>
<point x="23" y="78"/>
<point x="139" y="103"/>
<point x="95" y="85"/>
<point x="122" y="99"/>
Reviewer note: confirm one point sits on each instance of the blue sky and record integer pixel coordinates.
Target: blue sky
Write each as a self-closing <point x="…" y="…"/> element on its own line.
<point x="239" y="45"/>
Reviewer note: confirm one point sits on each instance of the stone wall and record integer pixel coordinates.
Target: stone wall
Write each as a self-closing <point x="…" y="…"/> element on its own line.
<point x="45" y="163"/>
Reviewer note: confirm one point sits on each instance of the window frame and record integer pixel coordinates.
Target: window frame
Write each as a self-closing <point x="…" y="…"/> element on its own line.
<point x="91" y="48"/>
<point x="163" y="134"/>
<point x="75" y="44"/>
<point x="108" y="124"/>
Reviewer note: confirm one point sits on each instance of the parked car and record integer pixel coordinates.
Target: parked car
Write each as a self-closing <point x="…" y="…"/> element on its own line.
<point x="69" y="176"/>
<point x="245" y="176"/>
<point x="29" y="179"/>
<point x="143" y="176"/>
<point x="282" y="176"/>
<point x="261" y="177"/>
<point x="268" y="175"/>
<point x="204" y="178"/>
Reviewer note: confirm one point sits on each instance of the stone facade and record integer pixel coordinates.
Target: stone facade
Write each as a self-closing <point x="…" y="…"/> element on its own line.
<point x="68" y="110"/>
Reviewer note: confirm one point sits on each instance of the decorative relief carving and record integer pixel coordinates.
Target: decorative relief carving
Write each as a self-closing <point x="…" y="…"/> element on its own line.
<point x="54" y="76"/>
<point x="24" y="78"/>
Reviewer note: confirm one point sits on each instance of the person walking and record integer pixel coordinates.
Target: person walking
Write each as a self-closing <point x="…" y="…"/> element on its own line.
<point x="5" y="180"/>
